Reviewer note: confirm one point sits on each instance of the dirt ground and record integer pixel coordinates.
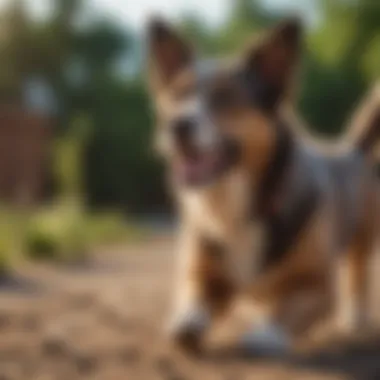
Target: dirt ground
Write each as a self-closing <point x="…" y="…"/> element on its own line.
<point x="103" y="320"/>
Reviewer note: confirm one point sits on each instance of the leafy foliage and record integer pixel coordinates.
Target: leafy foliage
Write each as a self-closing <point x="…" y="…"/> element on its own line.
<point x="83" y="67"/>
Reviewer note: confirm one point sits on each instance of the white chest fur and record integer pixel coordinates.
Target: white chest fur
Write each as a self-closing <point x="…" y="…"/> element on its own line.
<point x="219" y="210"/>
<point x="222" y="212"/>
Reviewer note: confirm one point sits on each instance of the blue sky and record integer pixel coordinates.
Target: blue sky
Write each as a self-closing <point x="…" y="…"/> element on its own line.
<point x="135" y="12"/>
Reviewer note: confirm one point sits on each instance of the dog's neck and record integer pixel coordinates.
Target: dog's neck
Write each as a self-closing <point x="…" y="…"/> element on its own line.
<point x="275" y="174"/>
<point x="285" y="205"/>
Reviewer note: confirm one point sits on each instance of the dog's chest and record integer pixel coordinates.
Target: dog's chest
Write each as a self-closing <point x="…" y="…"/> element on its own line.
<point x="223" y="213"/>
<point x="220" y="210"/>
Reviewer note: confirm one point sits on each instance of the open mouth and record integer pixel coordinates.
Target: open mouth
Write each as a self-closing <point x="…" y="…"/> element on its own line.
<point x="196" y="167"/>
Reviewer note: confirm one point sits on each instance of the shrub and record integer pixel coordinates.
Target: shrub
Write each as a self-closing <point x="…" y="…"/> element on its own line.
<point x="6" y="257"/>
<point x="65" y="232"/>
<point x="11" y="238"/>
<point x="43" y="237"/>
<point x="56" y="233"/>
<point x="108" y="228"/>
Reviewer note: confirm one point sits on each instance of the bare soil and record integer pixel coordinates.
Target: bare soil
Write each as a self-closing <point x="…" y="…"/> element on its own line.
<point x="103" y="320"/>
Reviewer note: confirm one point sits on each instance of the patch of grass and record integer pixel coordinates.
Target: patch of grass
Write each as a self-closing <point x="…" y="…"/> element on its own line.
<point x="109" y="228"/>
<point x="65" y="232"/>
<point x="6" y="257"/>
<point x="11" y="232"/>
<point x="41" y="243"/>
<point x="56" y="233"/>
<point x="62" y="231"/>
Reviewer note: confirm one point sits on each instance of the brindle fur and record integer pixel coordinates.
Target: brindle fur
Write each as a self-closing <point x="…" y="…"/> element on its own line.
<point x="284" y="222"/>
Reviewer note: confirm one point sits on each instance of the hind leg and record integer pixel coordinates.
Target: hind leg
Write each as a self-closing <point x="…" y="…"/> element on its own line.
<point x="354" y="281"/>
<point x="352" y="302"/>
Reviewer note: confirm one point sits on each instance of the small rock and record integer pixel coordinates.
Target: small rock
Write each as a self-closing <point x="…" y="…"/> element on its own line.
<point x="167" y="368"/>
<point x="10" y="373"/>
<point x="232" y="377"/>
<point x="176" y="377"/>
<point x="85" y="364"/>
<point x="130" y="355"/>
<point x="54" y="346"/>
<point x="82" y="301"/>
<point x="116" y="320"/>
<point x="5" y="321"/>
<point x="32" y="322"/>
<point x="29" y="369"/>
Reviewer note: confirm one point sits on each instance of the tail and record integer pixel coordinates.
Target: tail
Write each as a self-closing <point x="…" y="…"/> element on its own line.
<point x="365" y="131"/>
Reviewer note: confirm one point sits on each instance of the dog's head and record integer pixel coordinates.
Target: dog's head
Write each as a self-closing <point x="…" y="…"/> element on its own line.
<point x="214" y="115"/>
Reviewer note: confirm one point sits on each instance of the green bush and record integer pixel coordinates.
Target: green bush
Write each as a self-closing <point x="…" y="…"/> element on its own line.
<point x="11" y="238"/>
<point x="6" y="257"/>
<point x="56" y="233"/>
<point x="108" y="228"/>
<point x="65" y="232"/>
<point x="41" y="243"/>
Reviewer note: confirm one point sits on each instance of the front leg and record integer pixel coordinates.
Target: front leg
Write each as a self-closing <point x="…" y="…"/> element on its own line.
<point x="296" y="289"/>
<point x="203" y="290"/>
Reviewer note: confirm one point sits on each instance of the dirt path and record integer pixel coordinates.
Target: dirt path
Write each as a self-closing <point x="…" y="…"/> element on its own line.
<point x="103" y="321"/>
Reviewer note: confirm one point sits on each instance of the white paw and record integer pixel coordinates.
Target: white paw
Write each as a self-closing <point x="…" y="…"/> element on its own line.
<point x="190" y="320"/>
<point x="267" y="339"/>
<point x="352" y="321"/>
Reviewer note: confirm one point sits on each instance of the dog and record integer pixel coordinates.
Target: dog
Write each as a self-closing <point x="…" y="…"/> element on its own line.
<point x="267" y="216"/>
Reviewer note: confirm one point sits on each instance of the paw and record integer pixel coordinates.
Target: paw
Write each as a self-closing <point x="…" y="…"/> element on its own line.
<point x="352" y="322"/>
<point x="268" y="339"/>
<point x="351" y="328"/>
<point x="187" y="328"/>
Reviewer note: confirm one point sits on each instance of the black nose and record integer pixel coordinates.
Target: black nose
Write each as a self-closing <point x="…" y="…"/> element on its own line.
<point x="183" y="129"/>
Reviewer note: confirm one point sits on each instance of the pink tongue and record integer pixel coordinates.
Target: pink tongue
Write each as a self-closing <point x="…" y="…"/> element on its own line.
<point x="199" y="168"/>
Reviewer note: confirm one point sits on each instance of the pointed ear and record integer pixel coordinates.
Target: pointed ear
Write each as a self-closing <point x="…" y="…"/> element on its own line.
<point x="274" y="59"/>
<point x="167" y="53"/>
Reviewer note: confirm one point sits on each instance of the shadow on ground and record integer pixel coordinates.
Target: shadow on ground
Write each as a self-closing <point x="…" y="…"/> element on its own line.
<point x="18" y="284"/>
<point x="358" y="361"/>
